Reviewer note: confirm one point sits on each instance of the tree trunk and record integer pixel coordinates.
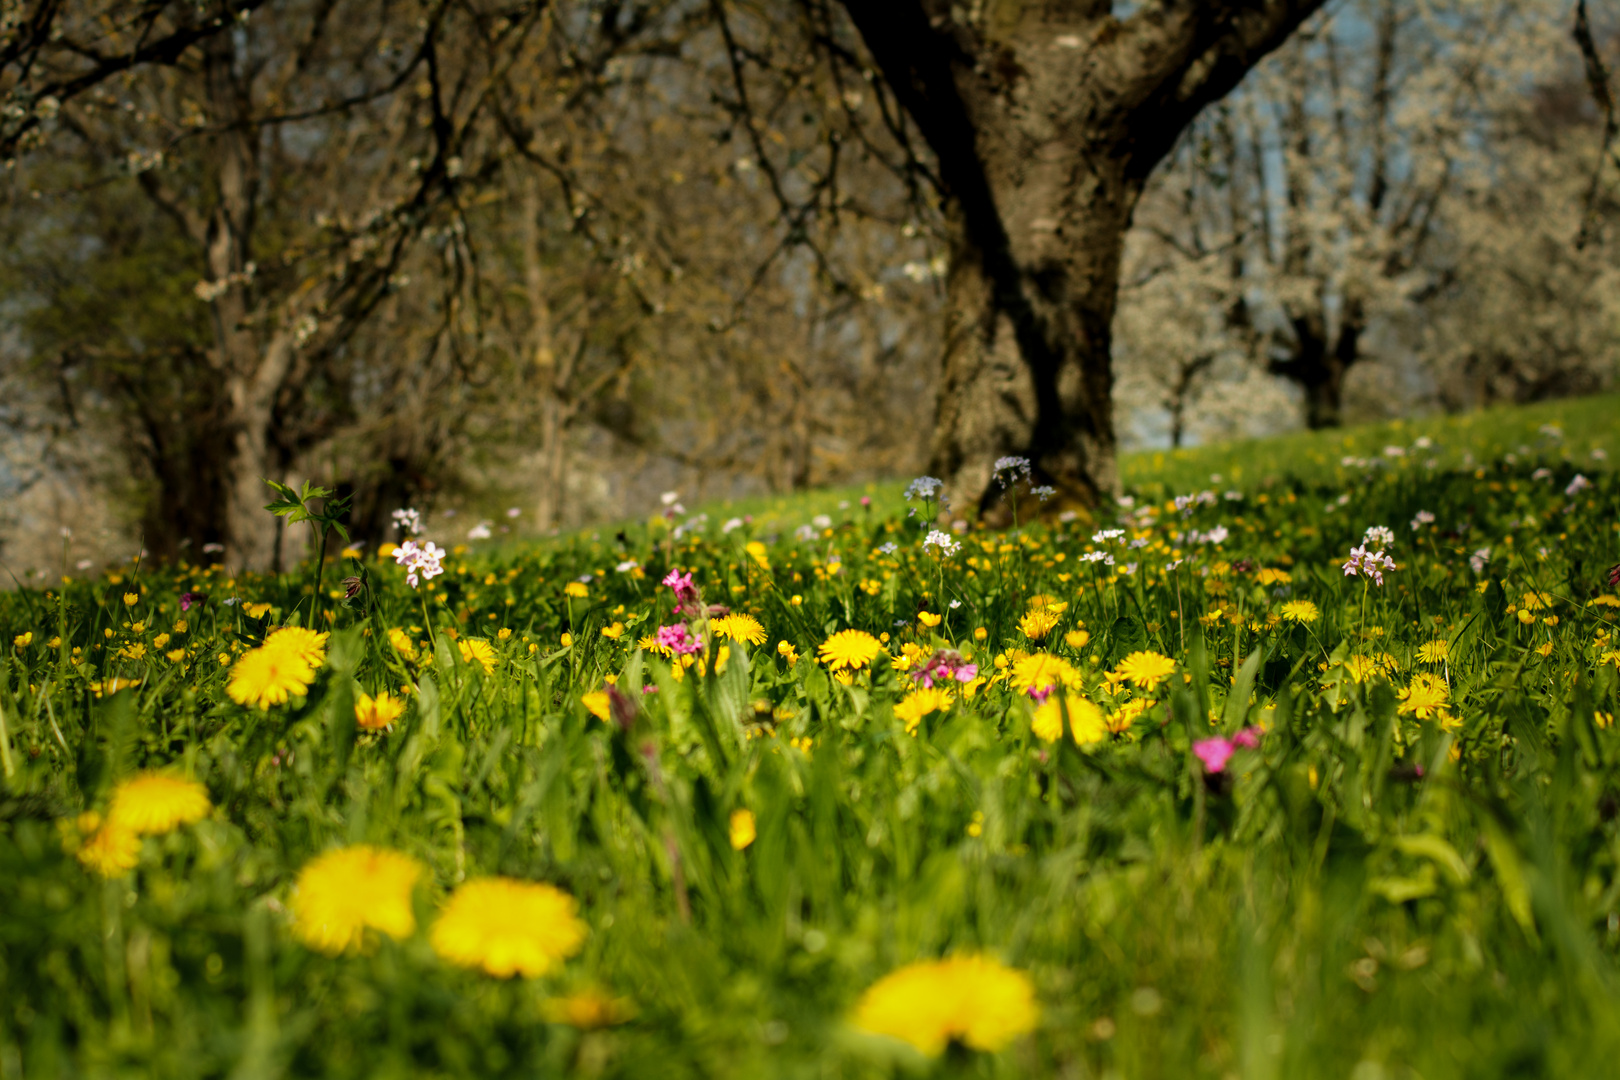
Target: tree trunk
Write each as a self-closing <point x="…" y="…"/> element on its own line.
<point x="253" y="532"/>
<point x="1045" y="120"/>
<point x="1028" y="338"/>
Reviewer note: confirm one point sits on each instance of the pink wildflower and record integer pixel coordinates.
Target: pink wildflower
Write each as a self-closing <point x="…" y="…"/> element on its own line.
<point x="1371" y="563"/>
<point x="945" y="665"/>
<point x="676" y="640"/>
<point x="684" y="588"/>
<point x="1216" y="752"/>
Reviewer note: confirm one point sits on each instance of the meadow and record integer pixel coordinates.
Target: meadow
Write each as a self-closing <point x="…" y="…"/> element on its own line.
<point x="1299" y="762"/>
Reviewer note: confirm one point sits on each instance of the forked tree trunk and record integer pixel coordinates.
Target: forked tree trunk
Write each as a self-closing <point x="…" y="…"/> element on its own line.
<point x="1045" y="119"/>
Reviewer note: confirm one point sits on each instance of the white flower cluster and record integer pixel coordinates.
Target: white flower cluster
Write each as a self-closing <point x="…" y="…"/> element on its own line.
<point x="420" y="563"/>
<point x="1380" y="537"/>
<point x="941" y="542"/>
<point x="407" y="521"/>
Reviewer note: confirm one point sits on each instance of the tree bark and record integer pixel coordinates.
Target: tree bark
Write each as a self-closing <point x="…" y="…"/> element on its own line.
<point x="1045" y="120"/>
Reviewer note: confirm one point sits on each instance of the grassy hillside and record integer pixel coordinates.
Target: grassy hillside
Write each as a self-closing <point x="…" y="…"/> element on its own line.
<point x="1184" y="799"/>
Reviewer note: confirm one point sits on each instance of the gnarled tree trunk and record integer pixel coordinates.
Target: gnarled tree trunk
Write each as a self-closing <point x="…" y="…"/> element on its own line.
<point x="1045" y="120"/>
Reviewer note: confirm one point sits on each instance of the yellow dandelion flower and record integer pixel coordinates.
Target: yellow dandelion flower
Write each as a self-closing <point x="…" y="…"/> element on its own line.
<point x="1268" y="576"/>
<point x="135" y="650"/>
<point x="742" y="829"/>
<point x="507" y="927"/>
<point x="1035" y="625"/>
<point x="587" y="1010"/>
<point x="1434" y="652"/>
<point x="1606" y="600"/>
<point x="1041" y="671"/>
<point x="1427" y="695"/>
<point x="1077" y="639"/>
<point x="1120" y="720"/>
<point x="376" y="713"/>
<point x="613" y="632"/>
<point x="156" y="803"/>
<point x="109" y="850"/>
<point x="22" y="641"/>
<point x="1535" y="601"/>
<point x="576" y="589"/>
<point x="175" y="655"/>
<point x="306" y="645"/>
<point x="401" y="641"/>
<point x="264" y="677"/>
<point x="256" y="611"/>
<point x="919" y="703"/>
<point x="852" y="649"/>
<point x="597" y="704"/>
<point x="929" y="619"/>
<point x="1085" y="719"/>
<point x="477" y="651"/>
<point x="739" y="628"/>
<point x="974" y="1000"/>
<point x="1610" y="657"/>
<point x="1146" y="669"/>
<point x="1301" y="611"/>
<point x="756" y="551"/>
<point x="342" y="893"/>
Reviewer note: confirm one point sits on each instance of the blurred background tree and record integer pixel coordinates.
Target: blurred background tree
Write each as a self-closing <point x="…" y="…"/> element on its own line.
<point x="472" y="254"/>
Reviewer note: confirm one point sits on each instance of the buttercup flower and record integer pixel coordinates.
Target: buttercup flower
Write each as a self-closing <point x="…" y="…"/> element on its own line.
<point x="507" y="927"/>
<point x="597" y="704"/>
<point x="742" y="829"/>
<point x="974" y="1000"/>
<point x="342" y="893"/>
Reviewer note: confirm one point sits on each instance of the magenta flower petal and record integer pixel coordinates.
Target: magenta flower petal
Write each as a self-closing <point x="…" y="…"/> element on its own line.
<point x="1214" y="753"/>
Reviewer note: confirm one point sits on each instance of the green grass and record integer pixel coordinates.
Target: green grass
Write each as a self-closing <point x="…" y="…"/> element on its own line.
<point x="1370" y="892"/>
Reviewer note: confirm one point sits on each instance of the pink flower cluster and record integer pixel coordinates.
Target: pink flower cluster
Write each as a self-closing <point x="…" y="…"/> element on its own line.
<point x="1371" y="563"/>
<point x="945" y="665"/>
<point x="684" y="588"/>
<point x="1216" y="752"/>
<point x="677" y="640"/>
